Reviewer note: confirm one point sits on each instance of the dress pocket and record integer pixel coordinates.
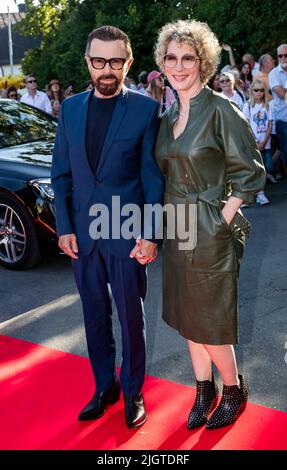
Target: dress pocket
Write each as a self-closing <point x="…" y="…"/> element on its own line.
<point x="241" y="223"/>
<point x="223" y="221"/>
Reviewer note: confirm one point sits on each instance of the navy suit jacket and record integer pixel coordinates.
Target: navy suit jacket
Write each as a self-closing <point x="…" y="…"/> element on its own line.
<point x="126" y="167"/>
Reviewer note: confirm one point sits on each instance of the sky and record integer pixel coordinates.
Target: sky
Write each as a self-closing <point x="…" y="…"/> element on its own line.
<point x="12" y="5"/>
<point x="4" y="4"/>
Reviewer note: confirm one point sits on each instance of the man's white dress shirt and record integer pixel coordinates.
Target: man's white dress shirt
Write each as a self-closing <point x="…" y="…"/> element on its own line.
<point x="39" y="100"/>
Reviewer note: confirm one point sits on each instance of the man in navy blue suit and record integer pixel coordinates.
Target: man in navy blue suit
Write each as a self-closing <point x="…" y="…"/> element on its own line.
<point x="104" y="148"/>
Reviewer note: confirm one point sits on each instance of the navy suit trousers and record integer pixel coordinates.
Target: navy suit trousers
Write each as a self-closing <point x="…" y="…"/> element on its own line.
<point x="128" y="282"/>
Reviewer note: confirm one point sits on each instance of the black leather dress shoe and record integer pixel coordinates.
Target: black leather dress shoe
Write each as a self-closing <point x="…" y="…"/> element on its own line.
<point x="99" y="403"/>
<point x="135" y="411"/>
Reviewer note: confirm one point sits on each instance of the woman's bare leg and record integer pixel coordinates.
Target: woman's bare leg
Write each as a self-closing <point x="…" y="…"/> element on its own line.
<point x="201" y="361"/>
<point x="223" y="357"/>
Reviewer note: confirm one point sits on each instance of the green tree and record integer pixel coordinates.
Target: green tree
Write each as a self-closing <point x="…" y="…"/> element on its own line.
<point x="246" y="25"/>
<point x="44" y="18"/>
<point x="61" y="53"/>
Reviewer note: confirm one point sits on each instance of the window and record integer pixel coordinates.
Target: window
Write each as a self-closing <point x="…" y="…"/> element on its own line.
<point x="20" y="123"/>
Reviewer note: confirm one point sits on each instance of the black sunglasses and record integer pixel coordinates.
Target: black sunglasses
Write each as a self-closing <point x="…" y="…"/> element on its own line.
<point x="31" y="81"/>
<point x="13" y="95"/>
<point x="258" y="89"/>
<point x="282" y="55"/>
<point x="116" y="63"/>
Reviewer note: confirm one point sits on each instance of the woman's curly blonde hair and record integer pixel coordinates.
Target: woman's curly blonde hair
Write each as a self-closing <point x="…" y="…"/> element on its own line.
<point x="196" y="34"/>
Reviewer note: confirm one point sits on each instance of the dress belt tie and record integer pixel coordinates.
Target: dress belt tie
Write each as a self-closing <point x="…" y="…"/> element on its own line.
<point x="211" y="195"/>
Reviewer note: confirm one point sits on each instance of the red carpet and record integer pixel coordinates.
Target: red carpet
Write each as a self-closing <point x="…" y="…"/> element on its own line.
<point x="42" y="391"/>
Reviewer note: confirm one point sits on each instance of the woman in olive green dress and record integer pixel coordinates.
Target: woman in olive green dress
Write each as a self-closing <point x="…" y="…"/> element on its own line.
<point x="207" y="152"/>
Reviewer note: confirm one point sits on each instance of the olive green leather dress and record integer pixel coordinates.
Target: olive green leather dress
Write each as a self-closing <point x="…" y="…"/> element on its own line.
<point x="215" y="156"/>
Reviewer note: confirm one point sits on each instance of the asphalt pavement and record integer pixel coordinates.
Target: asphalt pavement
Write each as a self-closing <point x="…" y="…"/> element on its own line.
<point x="42" y="306"/>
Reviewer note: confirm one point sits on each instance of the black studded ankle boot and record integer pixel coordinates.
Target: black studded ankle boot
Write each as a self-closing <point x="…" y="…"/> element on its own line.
<point x="205" y="402"/>
<point x="232" y="404"/>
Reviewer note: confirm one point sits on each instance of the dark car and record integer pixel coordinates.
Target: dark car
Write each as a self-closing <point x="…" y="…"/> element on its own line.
<point x="27" y="213"/>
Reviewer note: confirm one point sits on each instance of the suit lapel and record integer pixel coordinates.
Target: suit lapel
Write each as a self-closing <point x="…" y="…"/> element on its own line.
<point x="118" y="115"/>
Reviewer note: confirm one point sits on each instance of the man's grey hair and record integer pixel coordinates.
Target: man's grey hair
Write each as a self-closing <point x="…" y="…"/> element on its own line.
<point x="263" y="58"/>
<point x="282" y="45"/>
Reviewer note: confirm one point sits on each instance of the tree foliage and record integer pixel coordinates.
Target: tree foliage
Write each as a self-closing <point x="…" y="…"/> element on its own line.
<point x="43" y="19"/>
<point x="256" y="26"/>
<point x="247" y="25"/>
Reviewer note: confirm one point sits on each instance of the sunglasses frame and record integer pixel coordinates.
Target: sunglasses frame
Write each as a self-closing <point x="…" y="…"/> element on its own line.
<point x="108" y="61"/>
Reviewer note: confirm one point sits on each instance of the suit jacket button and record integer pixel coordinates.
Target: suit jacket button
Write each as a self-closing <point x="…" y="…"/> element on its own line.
<point x="97" y="182"/>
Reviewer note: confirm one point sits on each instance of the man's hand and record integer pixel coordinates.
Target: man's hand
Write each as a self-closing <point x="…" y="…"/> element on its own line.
<point x="144" y="251"/>
<point x="68" y="244"/>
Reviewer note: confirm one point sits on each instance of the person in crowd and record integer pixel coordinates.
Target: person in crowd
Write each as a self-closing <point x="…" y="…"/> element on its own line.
<point x="159" y="91"/>
<point x="70" y="91"/>
<point x="227" y="48"/>
<point x="238" y="83"/>
<point x="278" y="85"/>
<point x="130" y="83"/>
<point x="4" y="90"/>
<point x="89" y="85"/>
<point x="56" y="106"/>
<point x="226" y="68"/>
<point x="55" y="91"/>
<point x="214" y="82"/>
<point x="259" y="114"/>
<point x="246" y="77"/>
<point x="207" y="152"/>
<point x="252" y="62"/>
<point x="104" y="148"/>
<point x="12" y="93"/>
<point x="143" y="83"/>
<point x="266" y="63"/>
<point x="34" y="97"/>
<point x="227" y="83"/>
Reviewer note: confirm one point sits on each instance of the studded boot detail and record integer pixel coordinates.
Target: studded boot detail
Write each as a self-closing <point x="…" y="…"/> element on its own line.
<point x="232" y="404"/>
<point x="205" y="402"/>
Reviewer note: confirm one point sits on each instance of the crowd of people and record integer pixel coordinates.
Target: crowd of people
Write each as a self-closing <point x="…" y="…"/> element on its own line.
<point x="257" y="88"/>
<point x="49" y="100"/>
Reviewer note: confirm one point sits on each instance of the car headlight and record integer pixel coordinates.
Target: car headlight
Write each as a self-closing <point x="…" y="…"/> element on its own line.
<point x="43" y="187"/>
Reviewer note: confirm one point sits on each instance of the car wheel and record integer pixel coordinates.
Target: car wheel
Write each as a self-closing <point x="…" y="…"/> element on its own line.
<point x="19" y="247"/>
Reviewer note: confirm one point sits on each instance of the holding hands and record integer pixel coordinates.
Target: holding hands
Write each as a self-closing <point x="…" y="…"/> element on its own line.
<point x="144" y="251"/>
